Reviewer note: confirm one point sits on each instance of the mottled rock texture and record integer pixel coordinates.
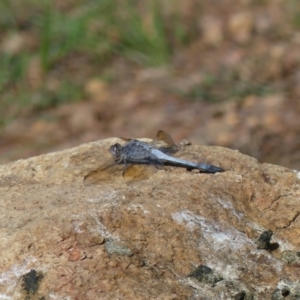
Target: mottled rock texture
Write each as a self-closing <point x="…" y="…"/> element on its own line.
<point x="176" y="235"/>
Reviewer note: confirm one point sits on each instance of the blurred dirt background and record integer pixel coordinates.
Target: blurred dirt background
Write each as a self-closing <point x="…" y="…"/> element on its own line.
<point x="221" y="73"/>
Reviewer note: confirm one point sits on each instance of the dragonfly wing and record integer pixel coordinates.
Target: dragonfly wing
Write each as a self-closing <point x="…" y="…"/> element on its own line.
<point x="135" y="173"/>
<point x="164" y="142"/>
<point x="106" y="172"/>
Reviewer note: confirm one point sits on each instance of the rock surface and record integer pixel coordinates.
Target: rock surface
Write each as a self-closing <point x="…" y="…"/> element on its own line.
<point x="176" y="235"/>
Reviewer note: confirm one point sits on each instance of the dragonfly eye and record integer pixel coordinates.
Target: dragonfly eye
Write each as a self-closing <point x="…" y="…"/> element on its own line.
<point x="115" y="150"/>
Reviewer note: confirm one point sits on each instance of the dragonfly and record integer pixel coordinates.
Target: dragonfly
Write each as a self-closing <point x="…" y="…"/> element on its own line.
<point x="138" y="160"/>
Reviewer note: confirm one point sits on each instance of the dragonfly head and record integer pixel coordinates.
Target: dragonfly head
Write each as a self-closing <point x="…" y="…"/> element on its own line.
<point x="115" y="150"/>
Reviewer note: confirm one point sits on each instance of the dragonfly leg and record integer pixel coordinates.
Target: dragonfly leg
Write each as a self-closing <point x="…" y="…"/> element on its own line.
<point x="153" y="160"/>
